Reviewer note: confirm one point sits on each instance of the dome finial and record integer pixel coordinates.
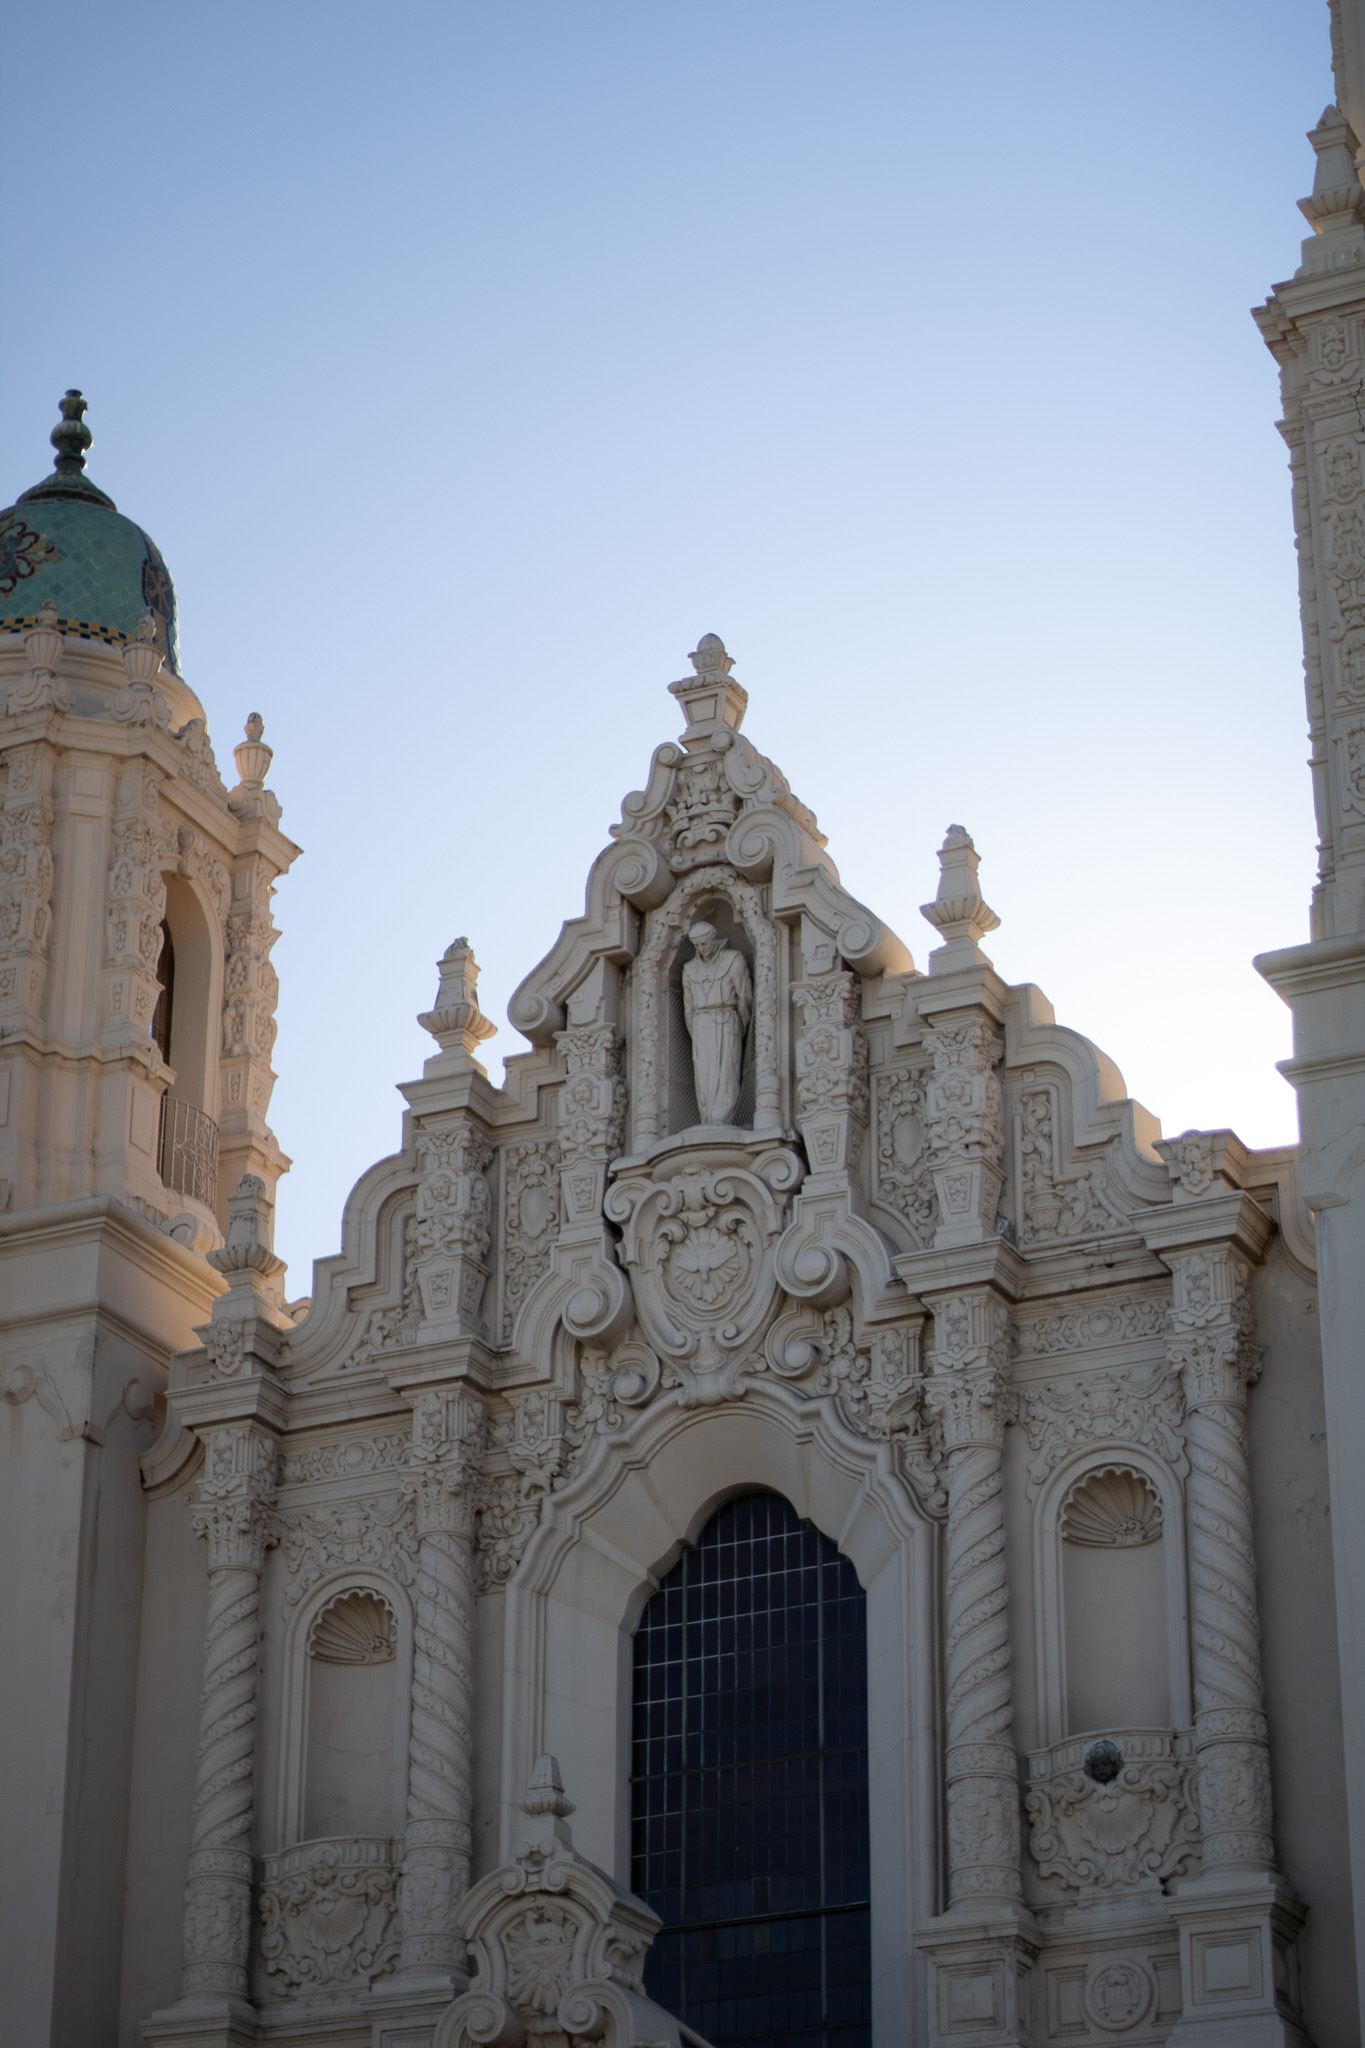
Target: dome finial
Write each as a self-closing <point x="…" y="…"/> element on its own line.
<point x="72" y="437"/>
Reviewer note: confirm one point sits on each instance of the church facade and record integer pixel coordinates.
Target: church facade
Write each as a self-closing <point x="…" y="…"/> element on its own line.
<point x="800" y="1520"/>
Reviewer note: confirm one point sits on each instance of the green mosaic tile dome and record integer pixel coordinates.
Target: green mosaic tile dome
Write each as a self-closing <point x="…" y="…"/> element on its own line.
<point x="67" y="541"/>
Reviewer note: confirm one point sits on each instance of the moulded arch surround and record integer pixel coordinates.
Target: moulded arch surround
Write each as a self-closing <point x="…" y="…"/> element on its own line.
<point x="295" y="1665"/>
<point x="597" y="1555"/>
<point x="1050" y="1632"/>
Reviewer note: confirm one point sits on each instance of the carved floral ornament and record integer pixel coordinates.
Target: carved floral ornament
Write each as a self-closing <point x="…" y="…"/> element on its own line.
<point x="1125" y="1818"/>
<point x="329" y="1915"/>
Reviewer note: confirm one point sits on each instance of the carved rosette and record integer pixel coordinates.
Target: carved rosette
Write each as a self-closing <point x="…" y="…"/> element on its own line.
<point x="233" y="1511"/>
<point x="454" y="1226"/>
<point x="967" y="1393"/>
<point x="447" y="1443"/>
<point x="699" y="1236"/>
<point x="1210" y="1347"/>
<point x="831" y="1072"/>
<point x="965" y="1128"/>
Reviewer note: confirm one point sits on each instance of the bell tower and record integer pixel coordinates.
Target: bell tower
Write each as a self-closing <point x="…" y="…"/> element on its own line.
<point x="136" y="1028"/>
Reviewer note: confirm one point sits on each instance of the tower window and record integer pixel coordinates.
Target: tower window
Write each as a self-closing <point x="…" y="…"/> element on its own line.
<point x="749" y="1809"/>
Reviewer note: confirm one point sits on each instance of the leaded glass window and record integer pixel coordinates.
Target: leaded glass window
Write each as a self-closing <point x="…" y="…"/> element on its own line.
<point x="749" y="1784"/>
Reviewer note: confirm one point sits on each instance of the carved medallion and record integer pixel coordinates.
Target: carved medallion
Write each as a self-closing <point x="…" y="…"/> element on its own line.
<point x="700" y="1228"/>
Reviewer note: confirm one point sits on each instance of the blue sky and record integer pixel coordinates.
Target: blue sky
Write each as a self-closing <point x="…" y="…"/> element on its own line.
<point x="469" y="361"/>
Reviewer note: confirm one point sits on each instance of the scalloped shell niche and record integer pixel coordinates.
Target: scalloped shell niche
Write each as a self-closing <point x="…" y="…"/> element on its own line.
<point x="1114" y="1603"/>
<point x="352" y="1672"/>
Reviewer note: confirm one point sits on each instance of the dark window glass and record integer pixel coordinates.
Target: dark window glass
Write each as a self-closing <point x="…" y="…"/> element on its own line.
<point x="161" y="1015"/>
<point x="749" y="1784"/>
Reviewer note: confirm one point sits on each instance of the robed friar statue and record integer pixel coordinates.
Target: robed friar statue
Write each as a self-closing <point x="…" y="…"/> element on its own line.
<point x="718" y="1001"/>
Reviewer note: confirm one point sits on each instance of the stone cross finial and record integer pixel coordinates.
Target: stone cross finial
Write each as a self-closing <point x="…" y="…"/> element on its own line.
<point x="959" y="910"/>
<point x="455" y="1020"/>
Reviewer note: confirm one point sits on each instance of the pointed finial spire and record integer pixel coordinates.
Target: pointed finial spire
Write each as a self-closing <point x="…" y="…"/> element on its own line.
<point x="67" y="479"/>
<point x="959" y="910"/>
<point x="713" y="700"/>
<point x="71" y="437"/>
<point x="251" y="799"/>
<point x="455" y="1020"/>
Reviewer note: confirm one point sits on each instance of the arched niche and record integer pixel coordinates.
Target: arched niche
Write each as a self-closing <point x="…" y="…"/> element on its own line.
<point x="347" y="1684"/>
<point x="194" y="995"/>
<point x="736" y="907"/>
<point x="597" y="1557"/>
<point x="1111" y="1614"/>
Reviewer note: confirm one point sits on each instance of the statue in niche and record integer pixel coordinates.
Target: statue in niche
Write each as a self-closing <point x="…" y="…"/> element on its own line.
<point x="718" y="1001"/>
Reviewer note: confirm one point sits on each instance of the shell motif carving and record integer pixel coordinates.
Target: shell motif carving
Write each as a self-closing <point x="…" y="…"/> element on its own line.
<point x="355" y="1628"/>
<point x="1114" y="1509"/>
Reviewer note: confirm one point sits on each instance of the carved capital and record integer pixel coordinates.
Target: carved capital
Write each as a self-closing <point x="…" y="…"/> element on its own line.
<point x="236" y="1494"/>
<point x="1211" y="1326"/>
<point x="968" y="1391"/>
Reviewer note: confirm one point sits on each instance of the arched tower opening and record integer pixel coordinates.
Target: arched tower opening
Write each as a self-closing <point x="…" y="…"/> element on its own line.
<point x="183" y="1027"/>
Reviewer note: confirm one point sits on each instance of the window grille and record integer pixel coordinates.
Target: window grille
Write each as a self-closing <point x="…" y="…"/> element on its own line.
<point x="749" y="1784"/>
<point x="189" y="1151"/>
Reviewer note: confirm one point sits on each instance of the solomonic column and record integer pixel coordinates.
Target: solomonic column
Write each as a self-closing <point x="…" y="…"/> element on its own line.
<point x="1210" y="1347"/>
<point x="234" y="1515"/>
<point x="1238" y="1912"/>
<point x="967" y="1394"/>
<point x="230" y="1396"/>
<point x="447" y="1435"/>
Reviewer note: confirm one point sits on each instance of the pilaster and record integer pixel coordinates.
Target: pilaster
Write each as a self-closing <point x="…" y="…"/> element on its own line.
<point x="1314" y="325"/>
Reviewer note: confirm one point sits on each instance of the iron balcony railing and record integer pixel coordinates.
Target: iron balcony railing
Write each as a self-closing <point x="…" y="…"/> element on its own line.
<point x="189" y="1151"/>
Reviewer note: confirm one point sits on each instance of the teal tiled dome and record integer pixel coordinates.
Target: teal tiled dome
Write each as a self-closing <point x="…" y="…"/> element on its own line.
<point x="66" y="540"/>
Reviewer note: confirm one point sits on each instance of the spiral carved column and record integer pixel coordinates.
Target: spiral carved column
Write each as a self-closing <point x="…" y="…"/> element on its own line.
<point x="1210" y="1347"/>
<point x="439" y="1828"/>
<point x="233" y="1513"/>
<point x="967" y="1395"/>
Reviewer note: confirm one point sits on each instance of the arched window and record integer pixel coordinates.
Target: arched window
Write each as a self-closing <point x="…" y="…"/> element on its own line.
<point x="749" y="1784"/>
